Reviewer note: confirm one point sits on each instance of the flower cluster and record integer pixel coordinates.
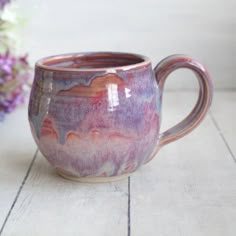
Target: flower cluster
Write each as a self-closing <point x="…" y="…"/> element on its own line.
<point x="3" y="3"/>
<point x="14" y="74"/>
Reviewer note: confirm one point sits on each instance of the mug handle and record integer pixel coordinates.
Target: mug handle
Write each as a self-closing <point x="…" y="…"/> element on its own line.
<point x="162" y="70"/>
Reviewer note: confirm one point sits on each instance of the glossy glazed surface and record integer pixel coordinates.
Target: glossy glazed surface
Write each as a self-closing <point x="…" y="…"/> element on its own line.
<point x="96" y="115"/>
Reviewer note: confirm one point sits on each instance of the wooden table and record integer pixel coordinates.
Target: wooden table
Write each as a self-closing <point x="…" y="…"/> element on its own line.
<point x="189" y="189"/>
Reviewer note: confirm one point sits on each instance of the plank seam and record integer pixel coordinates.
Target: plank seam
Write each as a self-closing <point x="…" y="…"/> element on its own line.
<point x="19" y="192"/>
<point x="222" y="135"/>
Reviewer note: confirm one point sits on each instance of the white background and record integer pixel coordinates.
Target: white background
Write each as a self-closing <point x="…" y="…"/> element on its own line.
<point x="204" y="29"/>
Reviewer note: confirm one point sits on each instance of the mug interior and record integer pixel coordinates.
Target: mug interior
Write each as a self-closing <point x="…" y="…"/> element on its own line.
<point x="98" y="60"/>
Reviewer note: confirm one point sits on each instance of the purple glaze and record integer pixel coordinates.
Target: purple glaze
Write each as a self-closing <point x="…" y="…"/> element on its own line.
<point x="98" y="114"/>
<point x="96" y="123"/>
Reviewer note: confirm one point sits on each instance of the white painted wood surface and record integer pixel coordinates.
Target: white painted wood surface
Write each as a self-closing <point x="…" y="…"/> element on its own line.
<point x="17" y="149"/>
<point x="203" y="29"/>
<point x="51" y="205"/>
<point x="189" y="189"/>
<point x="224" y="115"/>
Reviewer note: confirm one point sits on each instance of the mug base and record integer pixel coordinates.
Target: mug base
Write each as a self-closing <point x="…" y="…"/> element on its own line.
<point x="92" y="179"/>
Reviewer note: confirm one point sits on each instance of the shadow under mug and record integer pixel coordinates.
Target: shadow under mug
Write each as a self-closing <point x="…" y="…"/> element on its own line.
<point x="96" y="116"/>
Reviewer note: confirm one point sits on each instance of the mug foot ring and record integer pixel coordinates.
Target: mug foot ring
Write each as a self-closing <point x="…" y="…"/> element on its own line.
<point x="92" y="179"/>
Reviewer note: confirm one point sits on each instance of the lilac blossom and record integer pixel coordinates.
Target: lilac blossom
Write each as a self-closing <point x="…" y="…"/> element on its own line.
<point x="14" y="75"/>
<point x="3" y="3"/>
<point x="14" y="71"/>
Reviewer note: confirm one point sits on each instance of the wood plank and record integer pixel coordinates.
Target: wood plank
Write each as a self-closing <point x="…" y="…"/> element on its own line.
<point x="17" y="149"/>
<point x="224" y="113"/>
<point x="51" y="205"/>
<point x="190" y="188"/>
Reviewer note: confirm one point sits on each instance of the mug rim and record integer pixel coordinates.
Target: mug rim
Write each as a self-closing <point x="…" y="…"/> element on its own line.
<point x="41" y="63"/>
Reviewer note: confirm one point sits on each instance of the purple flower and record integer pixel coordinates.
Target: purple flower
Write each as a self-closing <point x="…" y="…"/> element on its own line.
<point x="6" y="68"/>
<point x="14" y="75"/>
<point x="3" y="3"/>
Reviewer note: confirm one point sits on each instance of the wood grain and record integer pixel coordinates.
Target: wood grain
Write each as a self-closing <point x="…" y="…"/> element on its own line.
<point x="224" y="114"/>
<point x="190" y="188"/>
<point x="17" y="149"/>
<point x="51" y="205"/>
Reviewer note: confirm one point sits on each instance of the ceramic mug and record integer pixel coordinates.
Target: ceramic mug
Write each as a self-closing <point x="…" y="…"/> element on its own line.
<point x="96" y="116"/>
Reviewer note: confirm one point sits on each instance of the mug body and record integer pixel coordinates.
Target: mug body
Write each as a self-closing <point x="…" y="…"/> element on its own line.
<point x="95" y="114"/>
